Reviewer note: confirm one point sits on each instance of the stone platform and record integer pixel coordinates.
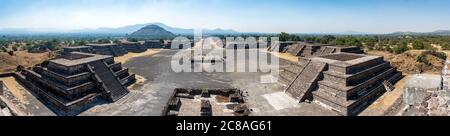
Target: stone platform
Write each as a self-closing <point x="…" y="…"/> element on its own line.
<point x="76" y="80"/>
<point x="343" y="82"/>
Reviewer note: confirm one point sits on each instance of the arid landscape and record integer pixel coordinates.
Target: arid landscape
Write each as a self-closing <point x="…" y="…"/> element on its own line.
<point x="71" y="61"/>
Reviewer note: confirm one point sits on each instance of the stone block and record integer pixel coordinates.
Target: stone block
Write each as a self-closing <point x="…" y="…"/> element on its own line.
<point x="414" y="96"/>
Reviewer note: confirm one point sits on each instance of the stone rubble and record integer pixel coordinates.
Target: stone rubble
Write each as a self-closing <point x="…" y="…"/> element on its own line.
<point x="436" y="103"/>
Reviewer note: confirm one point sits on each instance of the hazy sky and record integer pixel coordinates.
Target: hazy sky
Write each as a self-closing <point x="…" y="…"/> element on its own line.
<point x="304" y="16"/>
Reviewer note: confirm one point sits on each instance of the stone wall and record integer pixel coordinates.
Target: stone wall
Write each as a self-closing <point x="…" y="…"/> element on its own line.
<point x="71" y="87"/>
<point x="173" y="104"/>
<point x="66" y="70"/>
<point x="69" y="81"/>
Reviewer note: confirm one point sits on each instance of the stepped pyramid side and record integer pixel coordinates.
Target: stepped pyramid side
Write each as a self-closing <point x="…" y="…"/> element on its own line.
<point x="73" y="81"/>
<point x="344" y="82"/>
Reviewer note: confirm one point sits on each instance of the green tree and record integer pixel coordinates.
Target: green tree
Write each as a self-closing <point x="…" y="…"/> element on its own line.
<point x="353" y="41"/>
<point x="132" y="39"/>
<point x="400" y="48"/>
<point x="28" y="47"/>
<point x="4" y="49"/>
<point x="50" y="45"/>
<point x="11" y="53"/>
<point x="104" y="41"/>
<point x="20" y="68"/>
<point x="418" y="45"/>
<point x="370" y="44"/>
<point x="445" y="46"/>
<point x="116" y="41"/>
<point x="340" y="41"/>
<point x="283" y="36"/>
<point x="327" y="39"/>
<point x="14" y="48"/>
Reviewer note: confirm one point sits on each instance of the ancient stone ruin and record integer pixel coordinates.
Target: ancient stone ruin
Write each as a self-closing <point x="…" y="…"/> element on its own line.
<point x="113" y="49"/>
<point x="184" y="101"/>
<point x="77" y="79"/>
<point x="108" y="49"/>
<point x="280" y="46"/>
<point x="307" y="49"/>
<point x="343" y="82"/>
<point x="135" y="47"/>
<point x="153" y="44"/>
<point x="4" y="110"/>
<point x="85" y="49"/>
<point x="425" y="95"/>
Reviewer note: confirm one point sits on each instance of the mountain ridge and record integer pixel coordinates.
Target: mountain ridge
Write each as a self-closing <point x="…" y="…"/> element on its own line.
<point x="175" y="30"/>
<point x="152" y="32"/>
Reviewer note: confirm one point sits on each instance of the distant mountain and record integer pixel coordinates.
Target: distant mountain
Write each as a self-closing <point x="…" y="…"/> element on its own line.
<point x="184" y="31"/>
<point x="405" y="33"/>
<point x="120" y="30"/>
<point x="350" y="32"/>
<point x="438" y="32"/>
<point x="152" y="32"/>
<point x="174" y="30"/>
<point x="123" y="30"/>
<point x="441" y="32"/>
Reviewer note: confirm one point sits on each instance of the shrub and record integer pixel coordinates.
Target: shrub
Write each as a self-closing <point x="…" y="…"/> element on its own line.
<point x="132" y="40"/>
<point x="11" y="53"/>
<point x="400" y="48"/>
<point x="419" y="45"/>
<point x="445" y="46"/>
<point x="421" y="58"/>
<point x="4" y="49"/>
<point x="440" y="55"/>
<point x="45" y="63"/>
<point x="20" y="68"/>
<point x="14" y="48"/>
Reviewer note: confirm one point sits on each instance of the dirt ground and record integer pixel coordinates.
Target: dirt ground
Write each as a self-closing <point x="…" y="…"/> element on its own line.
<point x="9" y="63"/>
<point x="406" y="62"/>
<point x="12" y="86"/>
<point x="140" y="81"/>
<point x="285" y="56"/>
<point x="130" y="55"/>
<point x="23" y="102"/>
<point x="123" y="59"/>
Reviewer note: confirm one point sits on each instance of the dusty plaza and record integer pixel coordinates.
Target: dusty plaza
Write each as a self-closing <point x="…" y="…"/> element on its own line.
<point x="160" y="81"/>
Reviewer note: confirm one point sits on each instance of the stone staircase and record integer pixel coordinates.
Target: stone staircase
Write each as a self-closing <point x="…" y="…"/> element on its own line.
<point x="327" y="51"/>
<point x="358" y="96"/>
<point x="309" y="51"/>
<point x="306" y="81"/>
<point x="117" y="50"/>
<point x="289" y="73"/>
<point x="111" y="84"/>
<point x="291" y="49"/>
<point x="295" y="49"/>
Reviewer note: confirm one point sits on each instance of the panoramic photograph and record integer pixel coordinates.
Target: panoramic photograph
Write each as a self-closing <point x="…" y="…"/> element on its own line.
<point x="224" y="58"/>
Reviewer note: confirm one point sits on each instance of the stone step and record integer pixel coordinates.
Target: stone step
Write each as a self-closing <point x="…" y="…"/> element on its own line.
<point x="392" y="78"/>
<point x="284" y="80"/>
<point x="330" y="105"/>
<point x="307" y="80"/>
<point x="288" y="75"/>
<point x="352" y="90"/>
<point x="110" y="82"/>
<point x="353" y="79"/>
<point x="294" y="68"/>
<point x="352" y="107"/>
<point x="330" y="96"/>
